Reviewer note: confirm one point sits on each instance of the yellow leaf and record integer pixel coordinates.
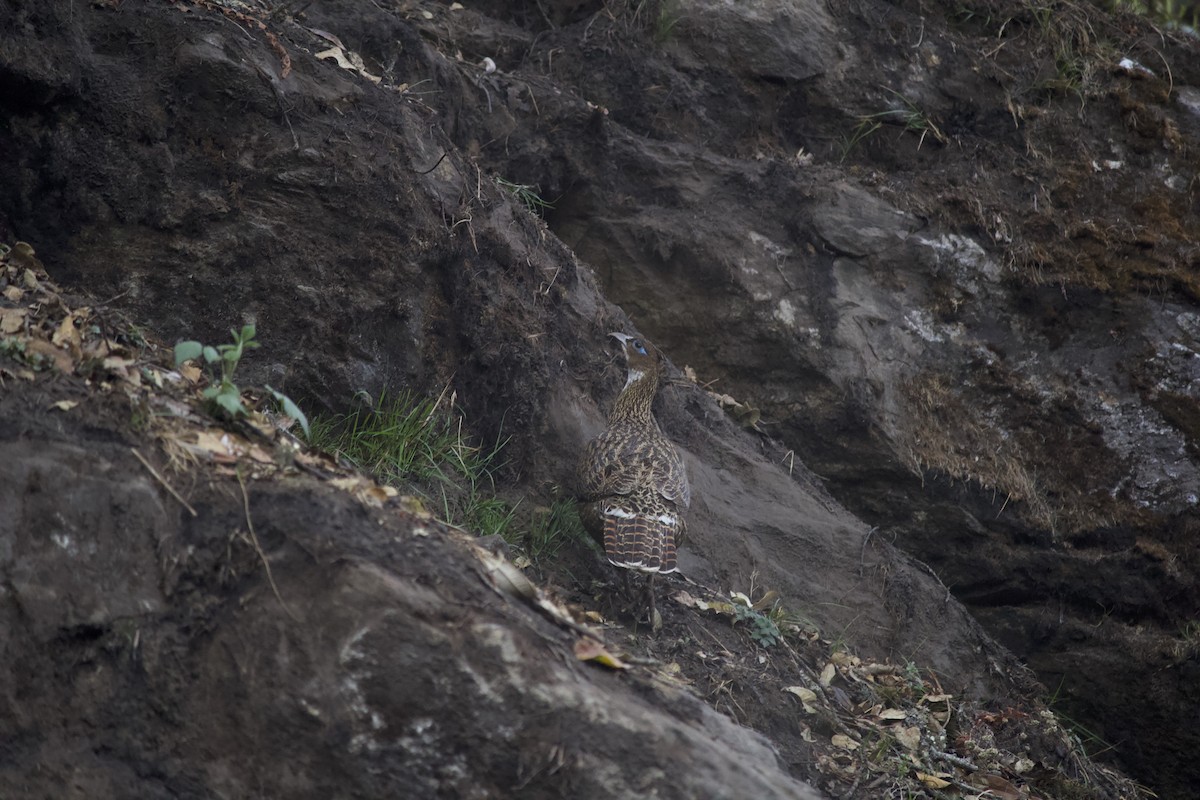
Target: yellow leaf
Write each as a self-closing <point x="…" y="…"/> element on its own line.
<point x="217" y="444"/>
<point x="591" y="650"/>
<point x="190" y="373"/>
<point x="67" y="335"/>
<point x="844" y="742"/>
<point x="932" y="781"/>
<point x="828" y="674"/>
<point x="12" y="319"/>
<point x="64" y="405"/>
<point x="415" y="506"/>
<point x="43" y="348"/>
<point x="909" y="737"/>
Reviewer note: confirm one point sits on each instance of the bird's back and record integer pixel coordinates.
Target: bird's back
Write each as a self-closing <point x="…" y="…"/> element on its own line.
<point x="634" y="490"/>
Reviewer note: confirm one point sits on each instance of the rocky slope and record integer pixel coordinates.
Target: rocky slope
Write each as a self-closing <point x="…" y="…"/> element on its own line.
<point x="945" y="253"/>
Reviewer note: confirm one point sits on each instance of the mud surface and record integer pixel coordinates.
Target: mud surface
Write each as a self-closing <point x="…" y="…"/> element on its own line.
<point x="944" y="254"/>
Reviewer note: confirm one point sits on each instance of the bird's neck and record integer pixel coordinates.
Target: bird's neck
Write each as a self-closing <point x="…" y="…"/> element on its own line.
<point x="633" y="404"/>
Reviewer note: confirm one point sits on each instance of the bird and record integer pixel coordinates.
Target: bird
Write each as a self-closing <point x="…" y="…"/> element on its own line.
<point x="633" y="483"/>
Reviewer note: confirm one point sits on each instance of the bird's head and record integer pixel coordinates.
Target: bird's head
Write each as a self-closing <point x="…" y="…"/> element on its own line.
<point x="641" y="358"/>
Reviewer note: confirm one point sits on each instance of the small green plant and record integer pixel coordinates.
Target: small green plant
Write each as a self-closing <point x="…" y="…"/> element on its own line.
<point x="909" y="116"/>
<point x="15" y="349"/>
<point x="669" y="15"/>
<point x="223" y="395"/>
<point x="419" y="444"/>
<point x="762" y="628"/>
<point x="529" y="195"/>
<point x="404" y="439"/>
<point x="1176" y="13"/>
<point x="553" y="527"/>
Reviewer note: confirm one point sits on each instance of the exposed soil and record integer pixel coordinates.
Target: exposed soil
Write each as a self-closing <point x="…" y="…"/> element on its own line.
<point x="942" y="255"/>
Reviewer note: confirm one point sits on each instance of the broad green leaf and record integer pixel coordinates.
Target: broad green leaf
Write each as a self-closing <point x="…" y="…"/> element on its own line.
<point x="211" y="355"/>
<point x="290" y="408"/>
<point x="187" y="351"/>
<point x="231" y="401"/>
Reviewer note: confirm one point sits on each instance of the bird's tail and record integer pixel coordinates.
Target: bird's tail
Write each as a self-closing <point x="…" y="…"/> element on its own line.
<point x="641" y="541"/>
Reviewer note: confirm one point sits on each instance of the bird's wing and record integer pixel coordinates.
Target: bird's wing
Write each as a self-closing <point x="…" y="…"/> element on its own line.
<point x="673" y="482"/>
<point x="606" y="468"/>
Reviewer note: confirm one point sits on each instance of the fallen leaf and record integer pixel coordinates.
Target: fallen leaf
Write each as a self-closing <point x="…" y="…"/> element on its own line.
<point x="216" y="444"/>
<point x="932" y="781"/>
<point x="348" y="60"/>
<point x="13" y="293"/>
<point x="260" y="455"/>
<point x="41" y="347"/>
<point x="415" y="506"/>
<point x="908" y="736"/>
<point x="591" y="650"/>
<point x="12" y="319"/>
<point x="828" y="674"/>
<point x="843" y="741"/>
<point x="893" y="713"/>
<point x="807" y="697"/>
<point x="67" y="335"/>
<point x="116" y="362"/>
<point x="64" y="405"/>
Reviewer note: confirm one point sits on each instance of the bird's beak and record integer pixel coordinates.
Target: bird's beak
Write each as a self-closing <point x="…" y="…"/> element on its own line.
<point x="621" y="337"/>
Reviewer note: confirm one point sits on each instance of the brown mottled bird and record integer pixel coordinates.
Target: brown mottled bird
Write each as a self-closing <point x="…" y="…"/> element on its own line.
<point x="634" y="487"/>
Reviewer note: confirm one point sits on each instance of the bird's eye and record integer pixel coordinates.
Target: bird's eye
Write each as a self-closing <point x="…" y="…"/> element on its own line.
<point x="637" y="345"/>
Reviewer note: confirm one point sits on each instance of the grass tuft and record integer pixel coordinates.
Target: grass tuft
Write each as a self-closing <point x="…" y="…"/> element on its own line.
<point x="417" y="444"/>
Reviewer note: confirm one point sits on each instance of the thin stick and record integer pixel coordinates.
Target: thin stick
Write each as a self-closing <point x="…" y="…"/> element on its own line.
<point x="258" y="548"/>
<point x="161" y="480"/>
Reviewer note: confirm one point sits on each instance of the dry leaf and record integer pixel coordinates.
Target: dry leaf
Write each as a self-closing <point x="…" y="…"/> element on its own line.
<point x="219" y="446"/>
<point x="843" y="741"/>
<point x="348" y="60"/>
<point x="908" y="736"/>
<point x="13" y="293"/>
<point x="828" y="674"/>
<point x="12" y="319"/>
<point x="807" y="697"/>
<point x="893" y="714"/>
<point x="41" y="347"/>
<point x="932" y="781"/>
<point x="591" y="650"/>
<point x="64" y="405"/>
<point x="67" y="335"/>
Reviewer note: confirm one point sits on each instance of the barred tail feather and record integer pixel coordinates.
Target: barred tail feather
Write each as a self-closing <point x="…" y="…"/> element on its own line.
<point x="638" y="541"/>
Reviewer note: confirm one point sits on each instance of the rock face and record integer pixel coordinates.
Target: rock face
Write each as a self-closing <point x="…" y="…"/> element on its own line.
<point x="914" y="258"/>
<point x="384" y="662"/>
